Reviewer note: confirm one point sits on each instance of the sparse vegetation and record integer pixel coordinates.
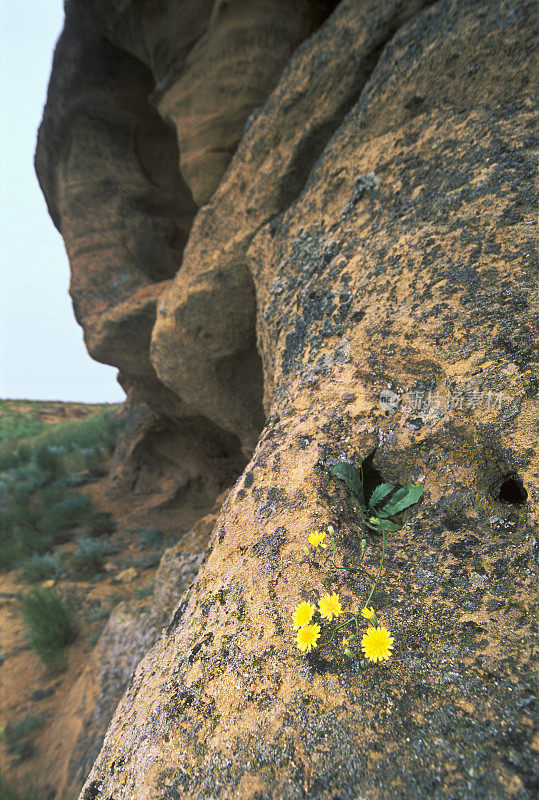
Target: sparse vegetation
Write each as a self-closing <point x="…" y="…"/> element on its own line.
<point x="151" y="538"/>
<point x="144" y="592"/>
<point x="97" y="613"/>
<point x="23" y="728"/>
<point x="49" y="624"/>
<point x="8" y="791"/>
<point x="89" y="557"/>
<point x="39" y="466"/>
<point x="41" y="567"/>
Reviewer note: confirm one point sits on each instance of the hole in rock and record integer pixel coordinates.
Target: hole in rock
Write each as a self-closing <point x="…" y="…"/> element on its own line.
<point x="512" y="491"/>
<point x="371" y="476"/>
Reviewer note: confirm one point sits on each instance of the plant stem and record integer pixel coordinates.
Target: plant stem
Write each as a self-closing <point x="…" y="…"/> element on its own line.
<point x="380" y="570"/>
<point x="342" y="625"/>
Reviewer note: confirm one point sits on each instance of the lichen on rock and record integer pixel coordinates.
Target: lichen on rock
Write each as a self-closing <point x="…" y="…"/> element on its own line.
<point x="372" y="232"/>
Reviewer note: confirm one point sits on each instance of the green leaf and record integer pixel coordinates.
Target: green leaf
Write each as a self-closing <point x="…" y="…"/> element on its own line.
<point x="383" y="524"/>
<point x="389" y="526"/>
<point x="379" y="493"/>
<point x="399" y="494"/>
<point x="412" y="495"/>
<point x="307" y="551"/>
<point x="349" y="653"/>
<point x="352" y="478"/>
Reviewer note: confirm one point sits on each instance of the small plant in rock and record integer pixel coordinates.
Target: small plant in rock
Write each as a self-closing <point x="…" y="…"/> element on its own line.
<point x="385" y="502"/>
<point x="49" y="624"/>
<point x="323" y="624"/>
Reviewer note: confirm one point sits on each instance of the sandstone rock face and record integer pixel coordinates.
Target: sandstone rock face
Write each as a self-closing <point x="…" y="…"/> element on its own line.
<point x="109" y="163"/>
<point x="230" y="70"/>
<point x="164" y="464"/>
<point x="203" y="341"/>
<point x="373" y="231"/>
<point x="131" y="630"/>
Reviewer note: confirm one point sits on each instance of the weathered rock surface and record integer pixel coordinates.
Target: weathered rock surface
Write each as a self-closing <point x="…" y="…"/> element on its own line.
<point x="130" y="632"/>
<point x="171" y="463"/>
<point x="203" y="344"/>
<point x="109" y="164"/>
<point x="373" y="230"/>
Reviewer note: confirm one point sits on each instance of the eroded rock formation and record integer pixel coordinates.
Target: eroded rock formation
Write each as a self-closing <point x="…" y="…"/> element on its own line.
<point x="372" y="230"/>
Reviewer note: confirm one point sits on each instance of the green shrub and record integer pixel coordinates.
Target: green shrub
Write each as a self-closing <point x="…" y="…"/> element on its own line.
<point x="9" y="792"/>
<point x="98" y="612"/>
<point x="48" y="622"/>
<point x="49" y="459"/>
<point x="24" y="728"/>
<point x="22" y="480"/>
<point x="95" y="461"/>
<point x="151" y="537"/>
<point x="40" y="567"/>
<point x="17" y="543"/>
<point x="102" y="522"/>
<point x="57" y="449"/>
<point x="89" y="557"/>
<point x="147" y="561"/>
<point x="36" y="472"/>
<point x="95" y="637"/>
<point x="144" y="592"/>
<point x="98" y="430"/>
<point x="69" y="512"/>
<point x="14" y="425"/>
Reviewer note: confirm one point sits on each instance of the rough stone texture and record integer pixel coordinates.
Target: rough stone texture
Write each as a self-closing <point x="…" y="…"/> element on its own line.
<point x="203" y="344"/>
<point x="108" y="163"/>
<point x="373" y="230"/>
<point x="131" y="630"/>
<point x="230" y="70"/>
<point x="170" y="464"/>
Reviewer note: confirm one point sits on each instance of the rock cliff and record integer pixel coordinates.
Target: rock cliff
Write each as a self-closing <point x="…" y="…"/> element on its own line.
<point x="274" y="211"/>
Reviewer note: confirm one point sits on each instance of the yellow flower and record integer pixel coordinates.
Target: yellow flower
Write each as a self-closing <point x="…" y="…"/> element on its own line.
<point x="303" y="615"/>
<point x="307" y="637"/>
<point x="368" y="613"/>
<point x="329" y="606"/>
<point x="316" y="539"/>
<point x="376" y="644"/>
<point x="345" y="641"/>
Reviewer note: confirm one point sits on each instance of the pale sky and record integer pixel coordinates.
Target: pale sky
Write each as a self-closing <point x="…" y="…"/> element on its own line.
<point x="42" y="355"/>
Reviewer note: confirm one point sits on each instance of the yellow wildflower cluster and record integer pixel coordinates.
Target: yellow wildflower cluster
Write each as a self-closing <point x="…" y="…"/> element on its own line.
<point x="376" y="643"/>
<point x="307" y="636"/>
